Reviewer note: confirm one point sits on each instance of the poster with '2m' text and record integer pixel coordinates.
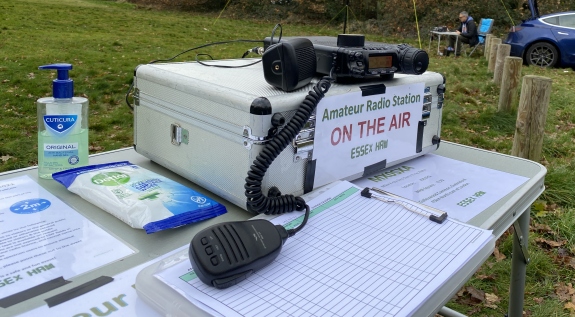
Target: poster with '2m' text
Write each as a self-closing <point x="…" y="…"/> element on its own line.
<point x="43" y="239"/>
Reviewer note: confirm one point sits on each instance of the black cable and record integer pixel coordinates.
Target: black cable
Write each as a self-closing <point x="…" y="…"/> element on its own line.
<point x="256" y="200"/>
<point x="128" y="94"/>
<point x="293" y="231"/>
<point x="274" y="32"/>
<point x="223" y="66"/>
<point x="202" y="46"/>
<point x="256" y="50"/>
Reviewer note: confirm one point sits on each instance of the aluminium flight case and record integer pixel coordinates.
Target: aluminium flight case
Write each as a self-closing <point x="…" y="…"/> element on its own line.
<point x="208" y="124"/>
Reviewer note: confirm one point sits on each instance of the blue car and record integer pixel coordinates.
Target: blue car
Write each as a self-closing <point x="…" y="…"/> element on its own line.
<point x="545" y="41"/>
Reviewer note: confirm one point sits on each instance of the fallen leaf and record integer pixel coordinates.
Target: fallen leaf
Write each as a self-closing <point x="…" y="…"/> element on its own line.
<point x="551" y="243"/>
<point x="570" y="306"/>
<point x="539" y="205"/>
<point x="478" y="296"/>
<point x="541" y="228"/>
<point x="538" y="300"/>
<point x="5" y="158"/>
<point x="461" y="292"/>
<point x="485" y="277"/>
<point x="564" y="291"/>
<point x="551" y="207"/>
<point x="491" y="300"/>
<point x="95" y="148"/>
<point x="498" y="255"/>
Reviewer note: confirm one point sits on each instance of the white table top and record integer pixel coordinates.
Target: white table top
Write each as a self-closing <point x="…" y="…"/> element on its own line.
<point x="498" y="217"/>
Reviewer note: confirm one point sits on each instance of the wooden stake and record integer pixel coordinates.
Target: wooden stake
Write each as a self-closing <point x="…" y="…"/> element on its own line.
<point x="509" y="83"/>
<point x="531" y="116"/>
<point x="487" y="45"/>
<point x="493" y="53"/>
<point x="503" y="50"/>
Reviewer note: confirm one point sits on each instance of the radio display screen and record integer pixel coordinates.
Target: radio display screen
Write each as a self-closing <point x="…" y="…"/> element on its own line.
<point x="380" y="61"/>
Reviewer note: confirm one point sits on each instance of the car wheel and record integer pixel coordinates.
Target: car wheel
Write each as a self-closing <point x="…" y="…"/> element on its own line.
<point x="542" y="54"/>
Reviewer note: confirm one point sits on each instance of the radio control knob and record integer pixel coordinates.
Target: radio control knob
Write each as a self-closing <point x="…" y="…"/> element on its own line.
<point x="440" y="89"/>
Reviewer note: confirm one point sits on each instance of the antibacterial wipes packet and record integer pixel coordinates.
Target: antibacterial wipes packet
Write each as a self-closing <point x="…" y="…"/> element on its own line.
<point x="139" y="197"/>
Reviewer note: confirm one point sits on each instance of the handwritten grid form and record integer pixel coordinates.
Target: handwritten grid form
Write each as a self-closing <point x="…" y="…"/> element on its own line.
<point x="360" y="257"/>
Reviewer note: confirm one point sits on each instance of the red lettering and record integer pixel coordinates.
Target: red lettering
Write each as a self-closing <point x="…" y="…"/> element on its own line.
<point x="405" y="119"/>
<point x="341" y="136"/>
<point x="393" y="124"/>
<point x="380" y="124"/>
<point x="371" y="127"/>
<point x="361" y="123"/>
<point x="347" y="133"/>
<point x="338" y="130"/>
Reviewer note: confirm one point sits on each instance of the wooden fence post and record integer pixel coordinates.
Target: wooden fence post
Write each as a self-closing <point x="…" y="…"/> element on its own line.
<point x="503" y="50"/>
<point x="487" y="45"/>
<point x="509" y="83"/>
<point x="493" y="53"/>
<point x="531" y="116"/>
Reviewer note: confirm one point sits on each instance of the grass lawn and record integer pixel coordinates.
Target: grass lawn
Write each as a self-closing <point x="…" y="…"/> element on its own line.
<point x="106" y="40"/>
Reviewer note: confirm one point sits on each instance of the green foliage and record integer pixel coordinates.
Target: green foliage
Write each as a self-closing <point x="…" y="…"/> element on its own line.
<point x="390" y="17"/>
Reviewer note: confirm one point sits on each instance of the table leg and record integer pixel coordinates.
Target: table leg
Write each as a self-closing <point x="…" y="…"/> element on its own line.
<point x="438" y="42"/>
<point x="519" y="262"/>
<point x="455" y="52"/>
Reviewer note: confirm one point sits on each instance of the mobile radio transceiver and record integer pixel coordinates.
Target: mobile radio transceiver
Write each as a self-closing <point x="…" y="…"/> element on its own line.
<point x="349" y="56"/>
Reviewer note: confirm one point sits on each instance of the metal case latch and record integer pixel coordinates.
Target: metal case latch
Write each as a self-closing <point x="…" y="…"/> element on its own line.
<point x="303" y="145"/>
<point x="179" y="134"/>
<point x="303" y="142"/>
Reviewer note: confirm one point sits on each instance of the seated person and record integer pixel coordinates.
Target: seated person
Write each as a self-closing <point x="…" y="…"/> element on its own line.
<point x="467" y="33"/>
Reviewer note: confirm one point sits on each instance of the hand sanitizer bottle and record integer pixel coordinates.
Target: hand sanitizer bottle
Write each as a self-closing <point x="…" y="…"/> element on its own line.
<point x="62" y="126"/>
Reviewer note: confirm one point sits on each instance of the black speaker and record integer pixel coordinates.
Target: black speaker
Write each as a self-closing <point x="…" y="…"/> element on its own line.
<point x="289" y="64"/>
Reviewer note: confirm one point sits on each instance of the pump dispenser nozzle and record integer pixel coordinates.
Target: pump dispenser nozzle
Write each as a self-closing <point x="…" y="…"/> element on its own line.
<point x="63" y="87"/>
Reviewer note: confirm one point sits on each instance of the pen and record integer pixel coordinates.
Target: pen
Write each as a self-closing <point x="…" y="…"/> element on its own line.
<point x="439" y="219"/>
<point x="381" y="191"/>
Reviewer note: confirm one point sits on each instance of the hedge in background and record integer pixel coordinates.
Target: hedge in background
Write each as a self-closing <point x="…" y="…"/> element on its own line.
<point x="390" y="17"/>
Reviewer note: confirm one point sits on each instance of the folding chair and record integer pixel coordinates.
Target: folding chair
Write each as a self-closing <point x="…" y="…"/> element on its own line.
<point x="485" y="26"/>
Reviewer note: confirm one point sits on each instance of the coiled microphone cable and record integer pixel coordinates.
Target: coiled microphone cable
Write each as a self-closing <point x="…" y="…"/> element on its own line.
<point x="279" y="204"/>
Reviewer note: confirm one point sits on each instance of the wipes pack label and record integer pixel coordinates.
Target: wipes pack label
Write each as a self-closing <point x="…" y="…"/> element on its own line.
<point x="111" y="179"/>
<point x="60" y="124"/>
